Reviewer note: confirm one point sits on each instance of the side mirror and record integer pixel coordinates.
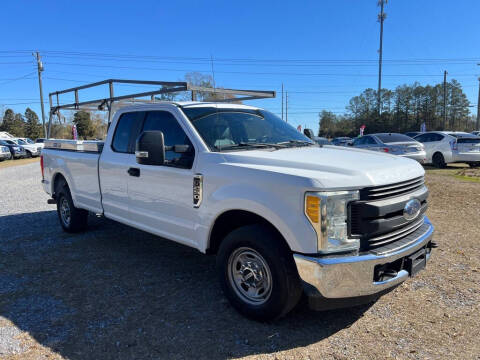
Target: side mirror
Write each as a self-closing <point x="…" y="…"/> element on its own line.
<point x="150" y="148"/>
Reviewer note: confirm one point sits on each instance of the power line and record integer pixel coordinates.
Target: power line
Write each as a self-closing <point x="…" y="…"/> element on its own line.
<point x="247" y="72"/>
<point x="17" y="79"/>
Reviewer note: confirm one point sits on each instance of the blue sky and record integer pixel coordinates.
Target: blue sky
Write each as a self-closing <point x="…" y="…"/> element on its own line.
<point x="324" y="52"/>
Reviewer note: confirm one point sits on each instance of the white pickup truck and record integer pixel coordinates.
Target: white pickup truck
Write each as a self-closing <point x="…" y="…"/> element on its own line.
<point x="283" y="215"/>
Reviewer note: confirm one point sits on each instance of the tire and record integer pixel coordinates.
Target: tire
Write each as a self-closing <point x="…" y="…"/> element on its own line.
<point x="29" y="154"/>
<point x="71" y="218"/>
<point x="439" y="161"/>
<point x="275" y="278"/>
<point x="474" y="164"/>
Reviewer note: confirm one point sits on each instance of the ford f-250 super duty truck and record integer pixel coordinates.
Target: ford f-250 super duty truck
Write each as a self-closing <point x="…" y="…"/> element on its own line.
<point x="282" y="214"/>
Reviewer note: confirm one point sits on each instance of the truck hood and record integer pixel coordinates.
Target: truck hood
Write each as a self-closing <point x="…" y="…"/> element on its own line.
<point x="330" y="167"/>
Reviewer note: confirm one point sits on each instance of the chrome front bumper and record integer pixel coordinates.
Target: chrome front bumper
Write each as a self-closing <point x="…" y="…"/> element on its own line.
<point x="353" y="276"/>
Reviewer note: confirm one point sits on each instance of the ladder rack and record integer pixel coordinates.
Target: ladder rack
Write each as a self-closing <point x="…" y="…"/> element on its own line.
<point x="160" y="87"/>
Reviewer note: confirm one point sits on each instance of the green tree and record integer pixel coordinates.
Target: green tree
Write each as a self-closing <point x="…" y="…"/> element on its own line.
<point x="327" y="120"/>
<point x="8" y="120"/>
<point x="85" y="127"/>
<point x="408" y="106"/>
<point x="33" y="129"/>
<point x="13" y="123"/>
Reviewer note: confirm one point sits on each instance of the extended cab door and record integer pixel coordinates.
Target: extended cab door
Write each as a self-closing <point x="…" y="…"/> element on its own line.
<point x="161" y="196"/>
<point x="116" y="160"/>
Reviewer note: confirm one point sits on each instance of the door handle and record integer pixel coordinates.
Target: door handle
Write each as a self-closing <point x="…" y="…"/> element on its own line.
<point x="134" y="172"/>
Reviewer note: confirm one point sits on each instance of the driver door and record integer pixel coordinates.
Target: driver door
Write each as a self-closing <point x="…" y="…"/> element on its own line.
<point x="161" y="196"/>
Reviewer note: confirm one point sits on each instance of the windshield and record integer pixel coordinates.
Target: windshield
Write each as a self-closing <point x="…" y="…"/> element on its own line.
<point x="21" y="142"/>
<point x="391" y="138"/>
<point x="10" y="142"/>
<point x="29" y="141"/>
<point x="233" y="128"/>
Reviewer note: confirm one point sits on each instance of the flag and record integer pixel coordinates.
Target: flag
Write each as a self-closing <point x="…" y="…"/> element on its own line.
<point x="362" y="129"/>
<point x="74" y="132"/>
<point x="423" y="127"/>
<point x="299" y="128"/>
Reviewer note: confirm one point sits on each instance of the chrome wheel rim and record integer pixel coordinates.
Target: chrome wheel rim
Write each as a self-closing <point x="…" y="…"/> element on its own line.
<point x="65" y="211"/>
<point x="249" y="276"/>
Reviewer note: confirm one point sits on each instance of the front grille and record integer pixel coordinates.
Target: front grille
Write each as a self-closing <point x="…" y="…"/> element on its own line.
<point x="395" y="235"/>
<point x="392" y="190"/>
<point x="377" y="218"/>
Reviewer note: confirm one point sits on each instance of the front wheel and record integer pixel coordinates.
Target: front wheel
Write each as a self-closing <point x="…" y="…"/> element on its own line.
<point x="71" y="218"/>
<point x="257" y="273"/>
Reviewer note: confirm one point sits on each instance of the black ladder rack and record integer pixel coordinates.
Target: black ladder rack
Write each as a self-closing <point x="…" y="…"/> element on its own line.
<point x="165" y="87"/>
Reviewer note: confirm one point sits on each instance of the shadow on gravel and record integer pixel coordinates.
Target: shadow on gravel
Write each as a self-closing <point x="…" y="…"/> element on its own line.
<point x="117" y="293"/>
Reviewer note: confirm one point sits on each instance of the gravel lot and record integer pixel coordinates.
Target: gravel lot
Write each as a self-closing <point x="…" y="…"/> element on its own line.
<point x="118" y="293"/>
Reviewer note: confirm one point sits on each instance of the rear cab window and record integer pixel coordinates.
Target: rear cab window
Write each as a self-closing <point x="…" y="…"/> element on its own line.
<point x="126" y="131"/>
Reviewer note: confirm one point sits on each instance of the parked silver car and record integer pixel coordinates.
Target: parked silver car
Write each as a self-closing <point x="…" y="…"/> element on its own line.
<point x="392" y="143"/>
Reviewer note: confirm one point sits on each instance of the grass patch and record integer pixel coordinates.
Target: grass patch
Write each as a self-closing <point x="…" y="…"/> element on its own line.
<point x="9" y="163"/>
<point x="467" y="178"/>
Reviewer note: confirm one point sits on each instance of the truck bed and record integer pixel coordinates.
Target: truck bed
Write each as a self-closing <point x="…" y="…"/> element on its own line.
<point x="77" y="161"/>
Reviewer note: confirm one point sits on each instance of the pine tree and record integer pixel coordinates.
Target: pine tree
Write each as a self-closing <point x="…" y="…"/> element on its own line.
<point x="85" y="128"/>
<point x="8" y="119"/>
<point x="33" y="129"/>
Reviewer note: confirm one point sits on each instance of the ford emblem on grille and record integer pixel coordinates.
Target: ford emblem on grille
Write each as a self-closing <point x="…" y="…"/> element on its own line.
<point x="411" y="209"/>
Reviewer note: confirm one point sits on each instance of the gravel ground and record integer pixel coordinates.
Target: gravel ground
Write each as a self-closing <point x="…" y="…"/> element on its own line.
<point x="118" y="293"/>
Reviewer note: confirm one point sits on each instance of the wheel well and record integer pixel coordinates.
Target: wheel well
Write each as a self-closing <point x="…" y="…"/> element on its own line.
<point x="56" y="180"/>
<point x="231" y="220"/>
<point x="438" y="153"/>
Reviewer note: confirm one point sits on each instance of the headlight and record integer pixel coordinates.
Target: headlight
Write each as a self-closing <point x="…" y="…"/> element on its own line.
<point x="328" y="212"/>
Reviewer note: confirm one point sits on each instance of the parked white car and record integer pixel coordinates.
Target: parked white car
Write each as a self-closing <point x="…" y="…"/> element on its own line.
<point x="444" y="147"/>
<point x="31" y="148"/>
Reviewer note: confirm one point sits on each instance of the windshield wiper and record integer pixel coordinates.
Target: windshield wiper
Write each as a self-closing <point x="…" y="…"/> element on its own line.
<point x="250" y="145"/>
<point x="296" y="143"/>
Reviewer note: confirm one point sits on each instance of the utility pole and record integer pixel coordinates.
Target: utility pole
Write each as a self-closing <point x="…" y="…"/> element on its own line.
<point x="286" y="106"/>
<point x="39" y="70"/>
<point x="381" y="18"/>
<point x="478" y="106"/>
<point x="445" y="100"/>
<point x="282" y="101"/>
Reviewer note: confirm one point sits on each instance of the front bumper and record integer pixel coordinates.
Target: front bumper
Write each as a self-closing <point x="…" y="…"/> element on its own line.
<point x="19" y="154"/>
<point x="342" y="277"/>
<point x="5" y="156"/>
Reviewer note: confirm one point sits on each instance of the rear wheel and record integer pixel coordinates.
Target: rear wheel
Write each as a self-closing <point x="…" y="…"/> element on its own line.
<point x="438" y="161"/>
<point x="257" y="273"/>
<point x="71" y="218"/>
